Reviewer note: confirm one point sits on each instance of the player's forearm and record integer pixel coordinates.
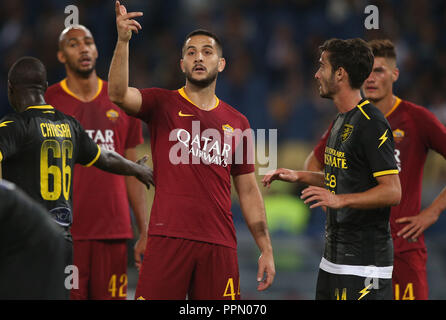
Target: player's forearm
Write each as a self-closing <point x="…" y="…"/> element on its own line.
<point x="311" y="178"/>
<point x="136" y="192"/>
<point x="118" y="76"/>
<point x="113" y="162"/>
<point x="377" y="197"/>
<point x="254" y="214"/>
<point x="439" y="203"/>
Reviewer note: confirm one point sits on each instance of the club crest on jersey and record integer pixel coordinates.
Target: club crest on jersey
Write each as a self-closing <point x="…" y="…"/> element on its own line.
<point x="228" y="130"/>
<point x="398" y="135"/>
<point x="346" y="132"/>
<point x="112" y="115"/>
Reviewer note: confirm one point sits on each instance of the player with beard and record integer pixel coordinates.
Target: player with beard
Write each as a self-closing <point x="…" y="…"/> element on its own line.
<point x="102" y="223"/>
<point x="191" y="249"/>
<point x="359" y="183"/>
<point x="416" y="130"/>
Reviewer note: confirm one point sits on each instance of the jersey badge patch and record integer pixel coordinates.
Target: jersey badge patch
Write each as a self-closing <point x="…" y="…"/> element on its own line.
<point x="346" y="132"/>
<point x="228" y="130"/>
<point x="112" y="115"/>
<point x="398" y="135"/>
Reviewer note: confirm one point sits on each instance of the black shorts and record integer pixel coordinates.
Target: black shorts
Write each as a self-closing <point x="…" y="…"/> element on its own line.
<point x="332" y="286"/>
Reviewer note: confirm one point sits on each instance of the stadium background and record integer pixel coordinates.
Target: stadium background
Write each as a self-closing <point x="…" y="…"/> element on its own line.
<point x="271" y="52"/>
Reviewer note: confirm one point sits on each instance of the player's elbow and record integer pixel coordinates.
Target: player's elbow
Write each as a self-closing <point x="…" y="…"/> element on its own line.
<point x="115" y="96"/>
<point x="395" y="194"/>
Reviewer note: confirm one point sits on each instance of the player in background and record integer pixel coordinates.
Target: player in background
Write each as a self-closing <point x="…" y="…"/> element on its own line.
<point x="40" y="145"/>
<point x="102" y="223"/>
<point x="415" y="130"/>
<point x="359" y="183"/>
<point x="191" y="249"/>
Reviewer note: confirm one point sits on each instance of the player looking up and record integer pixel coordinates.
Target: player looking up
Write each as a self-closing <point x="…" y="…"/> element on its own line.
<point x="191" y="248"/>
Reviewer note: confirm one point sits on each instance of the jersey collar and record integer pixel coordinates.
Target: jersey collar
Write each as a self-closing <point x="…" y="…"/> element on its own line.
<point x="63" y="85"/>
<point x="397" y="103"/>
<point x="182" y="92"/>
<point x="44" y="107"/>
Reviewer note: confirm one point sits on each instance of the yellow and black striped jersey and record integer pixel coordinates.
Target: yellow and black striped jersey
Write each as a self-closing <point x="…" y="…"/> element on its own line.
<point x="38" y="150"/>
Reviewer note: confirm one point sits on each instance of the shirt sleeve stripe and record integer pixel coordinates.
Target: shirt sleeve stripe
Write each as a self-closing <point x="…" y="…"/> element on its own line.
<point x="1" y="156"/>
<point x="385" y="172"/>
<point x="95" y="158"/>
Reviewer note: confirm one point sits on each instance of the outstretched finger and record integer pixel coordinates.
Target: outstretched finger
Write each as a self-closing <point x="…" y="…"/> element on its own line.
<point x="131" y="15"/>
<point x="119" y="9"/>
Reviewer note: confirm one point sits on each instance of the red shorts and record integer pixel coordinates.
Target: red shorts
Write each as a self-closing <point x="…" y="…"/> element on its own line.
<point x="174" y="268"/>
<point x="409" y="275"/>
<point x="102" y="268"/>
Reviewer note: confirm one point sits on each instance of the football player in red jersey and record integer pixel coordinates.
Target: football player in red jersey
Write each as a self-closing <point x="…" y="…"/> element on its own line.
<point x="102" y="223"/>
<point x="191" y="249"/>
<point x="415" y="131"/>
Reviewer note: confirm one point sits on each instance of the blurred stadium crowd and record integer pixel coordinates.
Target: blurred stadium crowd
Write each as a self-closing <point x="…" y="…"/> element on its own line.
<point x="271" y="48"/>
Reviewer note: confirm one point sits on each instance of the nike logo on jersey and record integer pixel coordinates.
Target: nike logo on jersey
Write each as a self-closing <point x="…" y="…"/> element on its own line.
<point x="5" y="123"/>
<point x="383" y="139"/>
<point x="181" y="114"/>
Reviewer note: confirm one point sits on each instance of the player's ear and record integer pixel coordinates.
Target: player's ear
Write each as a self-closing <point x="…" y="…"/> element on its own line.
<point x="182" y="66"/>
<point x="61" y="57"/>
<point x="395" y="74"/>
<point x="340" y="73"/>
<point x="221" y="64"/>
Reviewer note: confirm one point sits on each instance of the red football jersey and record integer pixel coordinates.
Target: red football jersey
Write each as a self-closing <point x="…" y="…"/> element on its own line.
<point x="195" y="152"/>
<point x="415" y="131"/>
<point x="100" y="203"/>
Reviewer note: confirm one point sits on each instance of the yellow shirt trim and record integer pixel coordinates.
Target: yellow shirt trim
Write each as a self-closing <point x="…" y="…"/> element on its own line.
<point x="362" y="110"/>
<point x="45" y="106"/>
<point x="397" y="103"/>
<point x="65" y="88"/>
<point x="182" y="92"/>
<point x="95" y="158"/>
<point x="385" y="172"/>
<point x="1" y="156"/>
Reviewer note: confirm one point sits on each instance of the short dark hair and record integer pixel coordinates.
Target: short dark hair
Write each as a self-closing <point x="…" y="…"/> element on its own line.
<point x="353" y="55"/>
<point x="203" y="32"/>
<point x="28" y="72"/>
<point x="383" y="48"/>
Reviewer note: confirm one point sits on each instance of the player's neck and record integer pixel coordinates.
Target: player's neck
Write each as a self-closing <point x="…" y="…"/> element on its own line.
<point x="204" y="98"/>
<point x="385" y="104"/>
<point x="84" y="88"/>
<point x="28" y="100"/>
<point x="346" y="100"/>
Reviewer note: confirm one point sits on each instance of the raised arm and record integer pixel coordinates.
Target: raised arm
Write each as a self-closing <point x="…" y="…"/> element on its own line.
<point x="251" y="203"/>
<point x="113" y="162"/>
<point x="127" y="98"/>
